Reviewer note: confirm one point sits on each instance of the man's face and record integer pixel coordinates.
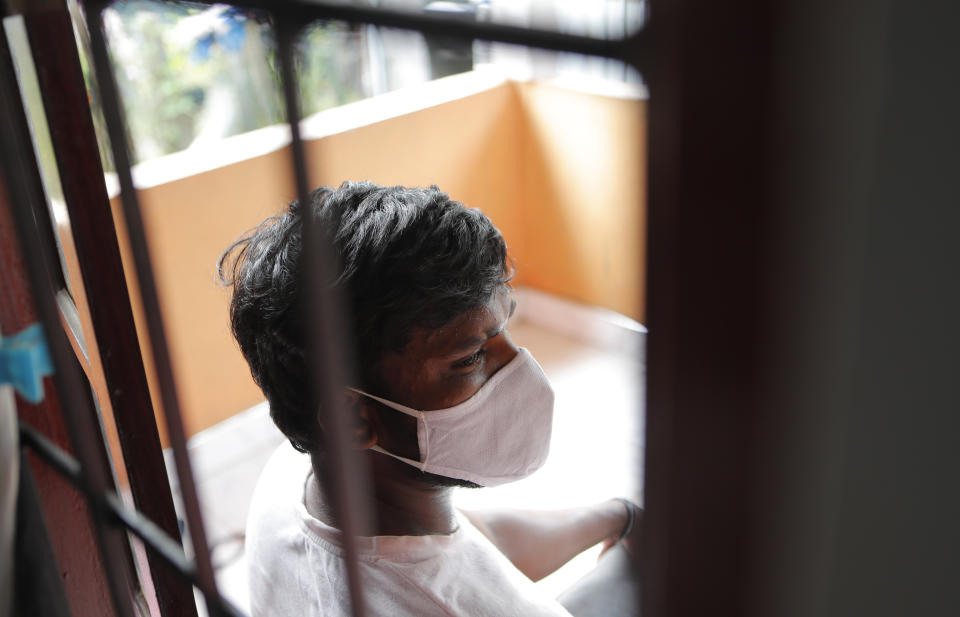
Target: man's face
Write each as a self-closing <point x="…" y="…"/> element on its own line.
<point x="442" y="367"/>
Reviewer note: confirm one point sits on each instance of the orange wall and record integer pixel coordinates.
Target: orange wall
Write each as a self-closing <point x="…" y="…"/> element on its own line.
<point x="189" y="223"/>
<point x="583" y="197"/>
<point x="468" y="147"/>
<point x="559" y="173"/>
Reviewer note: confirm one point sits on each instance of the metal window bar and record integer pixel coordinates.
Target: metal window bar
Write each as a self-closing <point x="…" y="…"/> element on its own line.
<point x="170" y="402"/>
<point x="327" y="352"/>
<point x="70" y="120"/>
<point x="26" y="193"/>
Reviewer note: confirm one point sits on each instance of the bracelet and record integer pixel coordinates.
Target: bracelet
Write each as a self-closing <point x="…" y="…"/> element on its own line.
<point x="631" y="516"/>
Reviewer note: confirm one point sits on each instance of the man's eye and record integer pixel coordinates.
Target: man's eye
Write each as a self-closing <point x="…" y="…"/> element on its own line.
<point x="472" y="360"/>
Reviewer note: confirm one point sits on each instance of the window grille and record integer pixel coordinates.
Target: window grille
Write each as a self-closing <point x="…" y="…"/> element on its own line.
<point x="89" y="471"/>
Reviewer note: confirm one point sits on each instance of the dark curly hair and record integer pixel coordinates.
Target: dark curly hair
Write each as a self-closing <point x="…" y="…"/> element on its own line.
<point x="408" y="258"/>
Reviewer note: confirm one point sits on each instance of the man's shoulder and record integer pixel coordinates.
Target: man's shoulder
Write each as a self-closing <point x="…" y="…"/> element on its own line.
<point x="278" y="493"/>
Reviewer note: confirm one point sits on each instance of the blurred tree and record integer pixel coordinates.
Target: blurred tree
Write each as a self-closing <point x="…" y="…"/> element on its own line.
<point x="190" y="74"/>
<point x="331" y="66"/>
<point x="162" y="90"/>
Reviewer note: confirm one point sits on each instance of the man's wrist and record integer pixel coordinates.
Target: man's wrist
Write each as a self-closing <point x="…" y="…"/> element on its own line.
<point x="632" y="513"/>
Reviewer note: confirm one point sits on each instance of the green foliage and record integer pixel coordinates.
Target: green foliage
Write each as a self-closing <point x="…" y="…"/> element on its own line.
<point x="161" y="89"/>
<point x="194" y="72"/>
<point x="330" y="67"/>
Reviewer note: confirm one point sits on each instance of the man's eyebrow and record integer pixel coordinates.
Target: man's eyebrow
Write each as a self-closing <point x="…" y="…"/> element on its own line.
<point x="471" y="342"/>
<point x="466" y="344"/>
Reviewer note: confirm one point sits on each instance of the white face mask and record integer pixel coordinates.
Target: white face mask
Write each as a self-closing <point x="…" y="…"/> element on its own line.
<point x="498" y="435"/>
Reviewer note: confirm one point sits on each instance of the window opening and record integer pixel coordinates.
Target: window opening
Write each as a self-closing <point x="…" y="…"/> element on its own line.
<point x="203" y="574"/>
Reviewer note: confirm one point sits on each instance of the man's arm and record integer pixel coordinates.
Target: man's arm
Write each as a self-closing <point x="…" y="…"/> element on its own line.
<point x="538" y="542"/>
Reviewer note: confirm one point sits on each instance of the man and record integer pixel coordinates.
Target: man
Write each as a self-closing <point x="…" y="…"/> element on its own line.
<point x="443" y="399"/>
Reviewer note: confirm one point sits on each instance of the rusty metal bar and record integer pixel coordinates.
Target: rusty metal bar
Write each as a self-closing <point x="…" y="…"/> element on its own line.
<point x="26" y="193"/>
<point x="116" y="128"/>
<point x="81" y="175"/>
<point x="328" y="356"/>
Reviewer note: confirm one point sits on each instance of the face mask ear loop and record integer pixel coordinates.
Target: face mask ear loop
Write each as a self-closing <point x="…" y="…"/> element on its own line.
<point x="421" y="429"/>
<point x="401" y="408"/>
<point x="406" y="460"/>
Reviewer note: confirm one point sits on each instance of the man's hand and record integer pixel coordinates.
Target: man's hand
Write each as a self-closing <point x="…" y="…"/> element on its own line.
<point x="538" y="542"/>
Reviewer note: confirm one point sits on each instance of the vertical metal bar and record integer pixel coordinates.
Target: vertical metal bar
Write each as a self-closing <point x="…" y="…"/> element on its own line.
<point x="68" y="509"/>
<point x="349" y="476"/>
<point x="113" y="114"/>
<point x="79" y="414"/>
<point x="75" y="146"/>
<point x="712" y="200"/>
<point x="637" y="55"/>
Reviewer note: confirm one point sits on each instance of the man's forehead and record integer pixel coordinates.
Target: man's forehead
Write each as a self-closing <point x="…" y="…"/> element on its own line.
<point x="468" y="329"/>
<point x="470" y="324"/>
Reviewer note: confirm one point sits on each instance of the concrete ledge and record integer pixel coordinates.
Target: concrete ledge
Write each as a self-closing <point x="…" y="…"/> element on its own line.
<point x="217" y="153"/>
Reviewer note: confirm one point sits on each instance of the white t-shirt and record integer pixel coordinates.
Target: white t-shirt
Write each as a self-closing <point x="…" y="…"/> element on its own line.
<point x="297" y="566"/>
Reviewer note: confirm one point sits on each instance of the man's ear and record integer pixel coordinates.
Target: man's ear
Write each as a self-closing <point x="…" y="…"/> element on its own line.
<point x="363" y="433"/>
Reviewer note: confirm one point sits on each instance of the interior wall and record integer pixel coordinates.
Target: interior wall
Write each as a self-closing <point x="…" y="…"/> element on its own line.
<point x="189" y="223"/>
<point x="566" y="195"/>
<point x="467" y="147"/>
<point x="583" y="197"/>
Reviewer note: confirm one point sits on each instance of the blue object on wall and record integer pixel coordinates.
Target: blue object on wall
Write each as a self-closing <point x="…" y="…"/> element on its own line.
<point x="25" y="361"/>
